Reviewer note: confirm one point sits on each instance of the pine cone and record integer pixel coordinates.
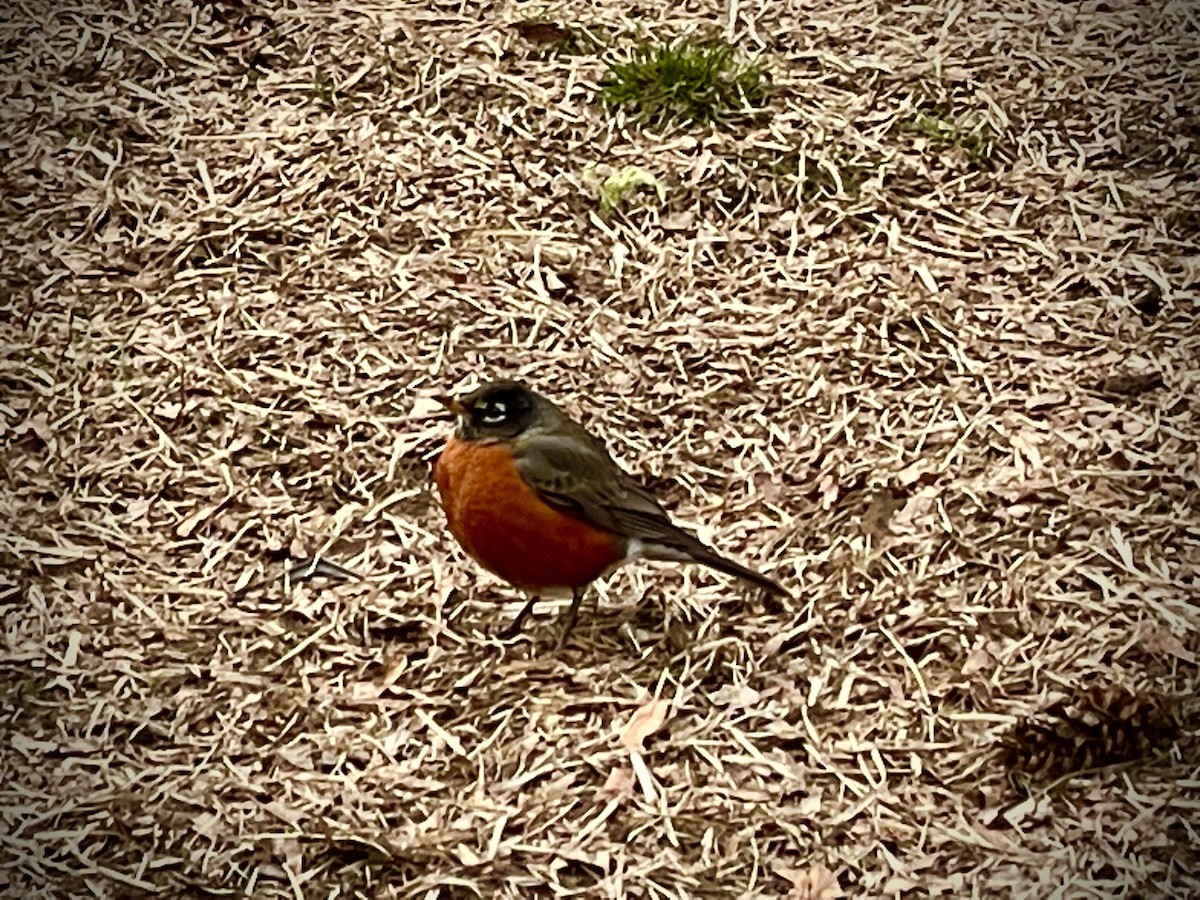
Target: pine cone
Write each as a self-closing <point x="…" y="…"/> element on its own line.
<point x="1099" y="726"/>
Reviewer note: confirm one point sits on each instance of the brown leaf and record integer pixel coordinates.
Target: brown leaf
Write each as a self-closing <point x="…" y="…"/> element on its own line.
<point x="647" y="720"/>
<point x="738" y="696"/>
<point x="619" y="783"/>
<point x="884" y="504"/>
<point x="1164" y="642"/>
<point x="977" y="660"/>
<point x="814" y="883"/>
<point x="1131" y="383"/>
<point x="769" y="487"/>
<point x="680" y="221"/>
<point x="540" y="32"/>
<point x="914" y="510"/>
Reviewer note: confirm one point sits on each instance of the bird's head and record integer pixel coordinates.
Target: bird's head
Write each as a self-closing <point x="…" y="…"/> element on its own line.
<point x="499" y="410"/>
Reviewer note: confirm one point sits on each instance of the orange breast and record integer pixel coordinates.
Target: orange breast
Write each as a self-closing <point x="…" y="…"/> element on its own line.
<point x="503" y="523"/>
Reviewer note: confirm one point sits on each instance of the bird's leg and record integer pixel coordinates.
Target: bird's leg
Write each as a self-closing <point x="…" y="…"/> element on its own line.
<point x="572" y="612"/>
<point x="515" y="628"/>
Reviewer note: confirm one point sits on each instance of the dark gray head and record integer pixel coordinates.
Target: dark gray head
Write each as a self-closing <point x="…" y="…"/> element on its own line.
<point x="499" y="410"/>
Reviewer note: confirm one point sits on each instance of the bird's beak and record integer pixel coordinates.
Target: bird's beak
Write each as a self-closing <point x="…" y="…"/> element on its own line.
<point x="451" y="404"/>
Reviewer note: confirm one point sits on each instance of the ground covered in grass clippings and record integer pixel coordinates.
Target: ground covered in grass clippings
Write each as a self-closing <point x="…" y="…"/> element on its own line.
<point x="913" y="331"/>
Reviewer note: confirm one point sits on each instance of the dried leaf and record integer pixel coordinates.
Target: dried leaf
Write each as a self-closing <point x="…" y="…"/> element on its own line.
<point x="537" y="31"/>
<point x="769" y="487"/>
<point x="1130" y="383"/>
<point x="1164" y="642"/>
<point x="739" y="696"/>
<point x="647" y="720"/>
<point x="619" y="783"/>
<point x="884" y="504"/>
<point x="814" y="883"/>
<point x="977" y="660"/>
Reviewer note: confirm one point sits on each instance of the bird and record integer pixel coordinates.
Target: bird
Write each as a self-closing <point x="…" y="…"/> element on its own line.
<point x="537" y="500"/>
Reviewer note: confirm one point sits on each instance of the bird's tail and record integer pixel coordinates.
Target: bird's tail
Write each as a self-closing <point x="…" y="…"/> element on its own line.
<point x="729" y="567"/>
<point x="699" y="553"/>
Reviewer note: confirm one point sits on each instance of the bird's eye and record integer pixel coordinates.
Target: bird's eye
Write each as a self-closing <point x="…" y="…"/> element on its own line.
<point x="494" y="412"/>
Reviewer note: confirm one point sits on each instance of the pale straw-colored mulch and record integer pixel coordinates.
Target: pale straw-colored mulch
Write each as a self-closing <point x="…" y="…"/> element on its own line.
<point x="951" y="406"/>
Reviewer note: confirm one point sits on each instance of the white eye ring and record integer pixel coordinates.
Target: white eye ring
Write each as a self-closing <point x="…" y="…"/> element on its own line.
<point x="497" y="414"/>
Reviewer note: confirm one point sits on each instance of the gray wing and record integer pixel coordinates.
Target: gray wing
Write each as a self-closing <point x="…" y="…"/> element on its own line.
<point x="578" y="477"/>
<point x="574" y="473"/>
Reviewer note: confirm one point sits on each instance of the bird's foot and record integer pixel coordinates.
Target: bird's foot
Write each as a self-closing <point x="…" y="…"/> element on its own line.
<point x="514" y="628"/>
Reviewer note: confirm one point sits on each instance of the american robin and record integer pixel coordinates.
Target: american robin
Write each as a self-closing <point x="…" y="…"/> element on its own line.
<point x="538" y="501"/>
